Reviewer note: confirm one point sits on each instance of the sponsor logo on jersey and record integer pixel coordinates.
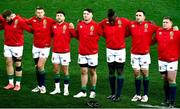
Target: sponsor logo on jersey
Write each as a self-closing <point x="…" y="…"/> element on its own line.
<point x="160" y="33"/>
<point x="132" y="26"/>
<point x="54" y="27"/>
<point x="34" y="20"/>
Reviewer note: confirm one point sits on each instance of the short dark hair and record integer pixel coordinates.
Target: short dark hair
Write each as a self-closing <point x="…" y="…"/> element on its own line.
<point x="140" y="10"/>
<point x="110" y="13"/>
<point x="39" y="8"/>
<point x="88" y="10"/>
<point x="168" y="17"/>
<point x="60" y="12"/>
<point x="6" y="13"/>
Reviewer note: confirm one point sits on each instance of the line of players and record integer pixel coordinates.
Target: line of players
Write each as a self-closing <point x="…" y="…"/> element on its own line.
<point x="114" y="29"/>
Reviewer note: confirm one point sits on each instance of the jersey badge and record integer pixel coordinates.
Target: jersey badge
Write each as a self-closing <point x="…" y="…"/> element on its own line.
<point x="15" y="23"/>
<point x="44" y="23"/>
<point x="171" y="34"/>
<point x="64" y="28"/>
<point x="145" y="27"/>
<point x="119" y="23"/>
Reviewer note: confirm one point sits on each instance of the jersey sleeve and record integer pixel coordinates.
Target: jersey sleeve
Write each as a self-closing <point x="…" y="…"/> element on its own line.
<point x="101" y="25"/>
<point x="25" y="26"/>
<point x="99" y="30"/>
<point x="72" y="30"/>
<point x="1" y="22"/>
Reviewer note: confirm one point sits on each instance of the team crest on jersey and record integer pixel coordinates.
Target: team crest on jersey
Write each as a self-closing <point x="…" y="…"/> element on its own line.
<point x="160" y="33"/>
<point x="119" y="23"/>
<point x="145" y="27"/>
<point x="171" y="34"/>
<point x="133" y="26"/>
<point x="91" y="30"/>
<point x="15" y="23"/>
<point x="81" y="26"/>
<point x="64" y="28"/>
<point x="44" y="23"/>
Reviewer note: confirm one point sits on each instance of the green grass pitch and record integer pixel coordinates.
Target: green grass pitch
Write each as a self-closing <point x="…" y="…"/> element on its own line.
<point x="155" y="10"/>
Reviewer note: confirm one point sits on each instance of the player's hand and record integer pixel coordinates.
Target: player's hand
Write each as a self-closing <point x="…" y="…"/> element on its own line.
<point x="175" y="28"/>
<point x="152" y="22"/>
<point x="71" y="26"/>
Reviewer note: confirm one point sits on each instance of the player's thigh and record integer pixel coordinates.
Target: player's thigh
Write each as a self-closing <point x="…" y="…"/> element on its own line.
<point x="145" y="60"/>
<point x="36" y="52"/>
<point x="109" y="55"/>
<point x="120" y="55"/>
<point x="55" y="59"/>
<point x="162" y="66"/>
<point x="65" y="59"/>
<point x="135" y="62"/>
<point x="44" y="53"/>
<point x="17" y="51"/>
<point x="82" y="59"/>
<point x="7" y="51"/>
<point x="93" y="60"/>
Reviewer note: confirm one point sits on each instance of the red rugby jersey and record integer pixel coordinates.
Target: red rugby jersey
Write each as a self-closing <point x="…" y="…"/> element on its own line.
<point x="115" y="35"/>
<point x="142" y="35"/>
<point x="42" y="31"/>
<point x="62" y="34"/>
<point x="88" y="36"/>
<point x="13" y="32"/>
<point x="1" y="20"/>
<point x="168" y="44"/>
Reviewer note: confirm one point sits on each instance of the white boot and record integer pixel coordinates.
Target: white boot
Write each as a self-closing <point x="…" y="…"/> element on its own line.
<point x="66" y="91"/>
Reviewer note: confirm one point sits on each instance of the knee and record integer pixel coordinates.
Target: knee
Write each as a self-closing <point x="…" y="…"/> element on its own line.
<point x="9" y="62"/>
<point x="40" y="65"/>
<point x="171" y="80"/>
<point x="84" y="71"/>
<point x="136" y="73"/>
<point x="120" y="68"/>
<point x="18" y="68"/>
<point x="92" y="71"/>
<point x="56" y="70"/>
<point x="111" y="67"/>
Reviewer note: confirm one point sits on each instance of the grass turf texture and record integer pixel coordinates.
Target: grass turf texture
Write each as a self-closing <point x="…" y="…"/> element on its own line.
<point x="155" y="10"/>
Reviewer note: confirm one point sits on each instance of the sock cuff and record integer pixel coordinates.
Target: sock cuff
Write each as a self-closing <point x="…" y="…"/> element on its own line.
<point x="138" y="78"/>
<point x="172" y="84"/>
<point x="66" y="77"/>
<point x="10" y="76"/>
<point x="146" y="78"/>
<point x="111" y="75"/>
<point x="18" y="78"/>
<point x="41" y="71"/>
<point x="120" y="77"/>
<point x="83" y="88"/>
<point x="56" y="76"/>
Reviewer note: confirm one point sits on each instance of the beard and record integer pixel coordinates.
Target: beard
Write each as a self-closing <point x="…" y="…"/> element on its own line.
<point x="10" y="22"/>
<point x="111" y="21"/>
